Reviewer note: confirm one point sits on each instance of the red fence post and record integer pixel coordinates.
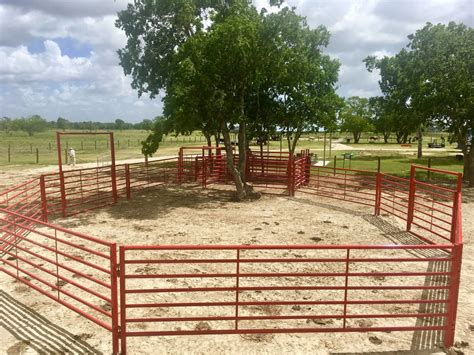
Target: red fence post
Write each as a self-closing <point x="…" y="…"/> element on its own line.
<point x="204" y="172"/>
<point x="127" y="181"/>
<point x="457" y="202"/>
<point x="114" y="298"/>
<point x="123" y="314"/>
<point x="44" y="205"/>
<point x="378" y="193"/>
<point x="411" y="198"/>
<point x="456" y="258"/>
<point x="63" y="193"/>
<point x="113" y="172"/>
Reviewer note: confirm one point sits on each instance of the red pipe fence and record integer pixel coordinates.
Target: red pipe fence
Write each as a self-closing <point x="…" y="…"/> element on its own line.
<point x="322" y="288"/>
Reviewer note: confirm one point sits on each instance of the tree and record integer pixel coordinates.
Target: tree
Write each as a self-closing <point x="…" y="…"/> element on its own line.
<point x="356" y="116"/>
<point x="146" y="124"/>
<point x="225" y="66"/>
<point x="432" y="81"/>
<point x="445" y="55"/>
<point x="33" y="124"/>
<point x="62" y="123"/>
<point x="6" y="124"/>
<point x="119" y="124"/>
<point x="383" y="121"/>
<point x="402" y="85"/>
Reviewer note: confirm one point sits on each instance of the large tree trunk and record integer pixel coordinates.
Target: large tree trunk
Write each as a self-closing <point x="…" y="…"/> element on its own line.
<point x="356" y="136"/>
<point x="292" y="143"/>
<point x="208" y="139"/>
<point x="238" y="182"/>
<point x="419" y="135"/>
<point x="405" y="138"/>
<point x="386" y="136"/>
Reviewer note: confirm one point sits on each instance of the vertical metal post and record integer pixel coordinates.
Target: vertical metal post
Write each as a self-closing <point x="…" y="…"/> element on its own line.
<point x="335" y="162"/>
<point x="123" y="304"/>
<point x="330" y="143"/>
<point x="454" y="280"/>
<point x="61" y="174"/>
<point x="378" y="193"/>
<point x="237" y="285"/>
<point x="37" y="156"/>
<point x="456" y="209"/>
<point x="411" y="198"/>
<point x="204" y="172"/>
<point x="378" y="164"/>
<point x="113" y="171"/>
<point x="127" y="181"/>
<point x="324" y="150"/>
<point x="346" y="285"/>
<point x="44" y="205"/>
<point x="114" y="298"/>
<point x="429" y="167"/>
<point x="57" y="262"/>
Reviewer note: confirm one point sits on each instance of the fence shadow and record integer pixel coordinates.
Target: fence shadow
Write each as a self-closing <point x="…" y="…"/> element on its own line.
<point x="329" y="206"/>
<point x="35" y="331"/>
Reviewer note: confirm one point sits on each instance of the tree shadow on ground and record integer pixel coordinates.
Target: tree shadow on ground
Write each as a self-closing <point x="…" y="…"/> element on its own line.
<point x="155" y="202"/>
<point x="35" y="331"/>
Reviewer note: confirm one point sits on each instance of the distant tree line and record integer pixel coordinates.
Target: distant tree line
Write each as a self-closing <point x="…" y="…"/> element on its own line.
<point x="34" y="124"/>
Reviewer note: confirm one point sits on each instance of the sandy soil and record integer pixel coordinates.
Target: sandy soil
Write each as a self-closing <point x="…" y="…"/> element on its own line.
<point x="31" y="323"/>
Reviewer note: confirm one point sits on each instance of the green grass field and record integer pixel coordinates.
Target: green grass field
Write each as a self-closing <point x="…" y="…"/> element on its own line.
<point x="395" y="159"/>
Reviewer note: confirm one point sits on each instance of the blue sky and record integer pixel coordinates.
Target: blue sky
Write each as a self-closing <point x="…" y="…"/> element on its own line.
<point x="58" y="57"/>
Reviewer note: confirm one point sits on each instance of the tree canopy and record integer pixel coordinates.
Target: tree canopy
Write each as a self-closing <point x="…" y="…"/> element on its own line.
<point x="431" y="81"/>
<point x="222" y="65"/>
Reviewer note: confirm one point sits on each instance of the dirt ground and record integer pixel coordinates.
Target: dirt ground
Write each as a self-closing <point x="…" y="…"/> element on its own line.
<point x="31" y="323"/>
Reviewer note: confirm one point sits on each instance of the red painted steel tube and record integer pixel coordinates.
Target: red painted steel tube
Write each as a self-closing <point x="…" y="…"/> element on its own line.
<point x="68" y="280"/>
<point x="77" y="246"/>
<point x="64" y="303"/>
<point x="411" y="198"/>
<point x="268" y="317"/>
<point x="283" y="247"/>
<point x="453" y="295"/>
<point x="123" y="303"/>
<point x="378" y="193"/>
<point x="278" y="260"/>
<point x="61" y="229"/>
<point x="284" y="288"/>
<point x="127" y="181"/>
<point x="113" y="171"/>
<point x="283" y="274"/>
<point x="54" y="287"/>
<point x="114" y="300"/>
<point x="282" y="330"/>
<point x="277" y="303"/>
<point x="60" y="265"/>
<point x="446" y="172"/>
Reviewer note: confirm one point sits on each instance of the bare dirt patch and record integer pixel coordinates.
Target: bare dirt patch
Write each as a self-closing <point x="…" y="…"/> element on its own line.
<point x="197" y="216"/>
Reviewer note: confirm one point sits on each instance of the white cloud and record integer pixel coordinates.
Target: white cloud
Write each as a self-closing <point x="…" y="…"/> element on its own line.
<point x="19" y="65"/>
<point x="92" y="86"/>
